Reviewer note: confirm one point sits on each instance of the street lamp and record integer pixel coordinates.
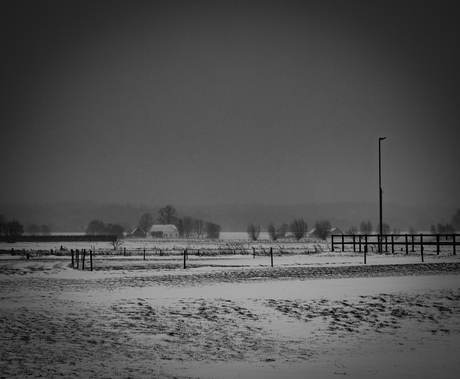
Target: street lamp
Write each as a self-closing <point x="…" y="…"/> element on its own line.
<point x="380" y="196"/>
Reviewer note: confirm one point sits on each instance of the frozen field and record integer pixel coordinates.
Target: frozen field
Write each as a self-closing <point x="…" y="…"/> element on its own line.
<point x="311" y="315"/>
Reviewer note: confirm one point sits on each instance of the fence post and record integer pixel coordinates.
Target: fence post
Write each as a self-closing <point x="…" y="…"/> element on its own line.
<point x="360" y="242"/>
<point x="332" y="243"/>
<point x="354" y="250"/>
<point x="407" y="244"/>
<point x="453" y="244"/>
<point x="365" y="251"/>
<point x="254" y="252"/>
<point x="144" y="253"/>
<point x="392" y="244"/>
<point x="437" y="244"/>
<point x="124" y="252"/>
<point x="71" y="253"/>
<point x="185" y="254"/>
<point x="83" y="260"/>
<point x="421" y="245"/>
<point x="77" y="256"/>
<point x="343" y="243"/>
<point x="91" y="259"/>
<point x="271" y="255"/>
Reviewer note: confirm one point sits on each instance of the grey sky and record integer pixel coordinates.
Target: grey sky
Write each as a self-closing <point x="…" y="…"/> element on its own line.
<point x="230" y="102"/>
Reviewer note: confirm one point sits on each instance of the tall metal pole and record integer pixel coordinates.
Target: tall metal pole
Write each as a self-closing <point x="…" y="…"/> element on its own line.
<point x="380" y="197"/>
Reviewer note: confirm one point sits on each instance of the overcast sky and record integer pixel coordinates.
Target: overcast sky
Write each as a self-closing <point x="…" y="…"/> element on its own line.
<point x="222" y="102"/>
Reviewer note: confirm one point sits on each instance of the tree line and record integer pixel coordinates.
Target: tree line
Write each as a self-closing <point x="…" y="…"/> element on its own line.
<point x="187" y="226"/>
<point x="365" y="227"/>
<point x="322" y="229"/>
<point x="13" y="229"/>
<point x="298" y="228"/>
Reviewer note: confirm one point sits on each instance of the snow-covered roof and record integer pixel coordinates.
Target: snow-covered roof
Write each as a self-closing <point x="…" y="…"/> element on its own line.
<point x="335" y="231"/>
<point x="163" y="228"/>
<point x="331" y="231"/>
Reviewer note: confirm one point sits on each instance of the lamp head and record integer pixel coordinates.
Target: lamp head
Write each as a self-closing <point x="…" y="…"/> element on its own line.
<point x="382" y="138"/>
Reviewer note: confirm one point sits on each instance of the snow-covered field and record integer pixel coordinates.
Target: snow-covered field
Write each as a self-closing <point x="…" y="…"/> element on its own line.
<point x="318" y="315"/>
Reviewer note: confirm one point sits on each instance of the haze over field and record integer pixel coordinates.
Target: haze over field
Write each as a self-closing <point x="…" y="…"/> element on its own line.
<point x="210" y="103"/>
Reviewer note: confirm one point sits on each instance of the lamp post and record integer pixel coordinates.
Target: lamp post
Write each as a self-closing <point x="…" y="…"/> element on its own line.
<point x="380" y="197"/>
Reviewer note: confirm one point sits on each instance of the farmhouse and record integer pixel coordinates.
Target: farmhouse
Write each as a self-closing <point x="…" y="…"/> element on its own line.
<point x="335" y="231"/>
<point x="164" y="231"/>
<point x="137" y="233"/>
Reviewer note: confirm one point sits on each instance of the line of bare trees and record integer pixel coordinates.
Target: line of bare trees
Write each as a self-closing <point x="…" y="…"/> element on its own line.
<point x="13" y="229"/>
<point x="187" y="226"/>
<point x="298" y="228"/>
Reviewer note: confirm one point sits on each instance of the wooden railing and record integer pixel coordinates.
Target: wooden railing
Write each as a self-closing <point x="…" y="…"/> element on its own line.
<point x="362" y="242"/>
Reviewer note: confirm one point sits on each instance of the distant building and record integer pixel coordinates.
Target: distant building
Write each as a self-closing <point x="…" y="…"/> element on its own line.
<point x="335" y="231"/>
<point x="163" y="231"/>
<point x="137" y="233"/>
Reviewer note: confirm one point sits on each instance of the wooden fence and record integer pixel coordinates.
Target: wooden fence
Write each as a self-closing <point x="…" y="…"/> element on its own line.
<point x="80" y="258"/>
<point x="362" y="242"/>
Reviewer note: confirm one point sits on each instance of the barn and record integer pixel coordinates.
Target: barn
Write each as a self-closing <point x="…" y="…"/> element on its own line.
<point x="137" y="233"/>
<point x="335" y="231"/>
<point x="163" y="231"/>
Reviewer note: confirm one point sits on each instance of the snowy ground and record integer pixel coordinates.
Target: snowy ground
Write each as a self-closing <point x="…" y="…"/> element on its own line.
<point x="322" y="315"/>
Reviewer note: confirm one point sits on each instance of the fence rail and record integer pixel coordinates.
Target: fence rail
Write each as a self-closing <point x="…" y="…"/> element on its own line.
<point x="363" y="241"/>
<point x="80" y="256"/>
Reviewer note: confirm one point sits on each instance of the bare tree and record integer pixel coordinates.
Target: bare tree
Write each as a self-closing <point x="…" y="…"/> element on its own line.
<point x="168" y="215"/>
<point x="444" y="229"/>
<point x="187" y="226"/>
<point x="13" y="230"/>
<point x="199" y="227"/>
<point x="272" y="232"/>
<point x="95" y="227"/>
<point x="277" y="233"/>
<point x="212" y="230"/>
<point x="145" y="223"/>
<point x="365" y="227"/>
<point x="33" y="229"/>
<point x="253" y="232"/>
<point x="323" y="229"/>
<point x="385" y="228"/>
<point x="455" y="221"/>
<point x="180" y="228"/>
<point x="353" y="230"/>
<point x="115" y="230"/>
<point x="298" y="228"/>
<point x="116" y="243"/>
<point x="282" y="230"/>
<point x="2" y="225"/>
<point x="45" y="230"/>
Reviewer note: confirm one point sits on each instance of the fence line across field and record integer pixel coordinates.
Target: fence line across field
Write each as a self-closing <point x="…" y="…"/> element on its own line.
<point x="79" y="256"/>
<point x="360" y="241"/>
